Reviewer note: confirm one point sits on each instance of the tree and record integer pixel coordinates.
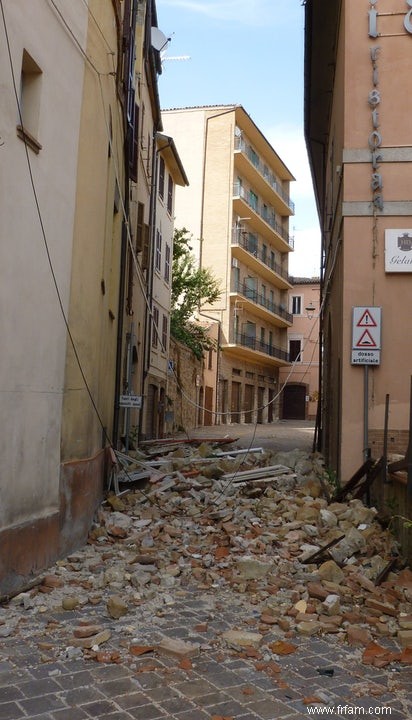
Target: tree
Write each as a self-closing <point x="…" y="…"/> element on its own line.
<point x="191" y="288"/>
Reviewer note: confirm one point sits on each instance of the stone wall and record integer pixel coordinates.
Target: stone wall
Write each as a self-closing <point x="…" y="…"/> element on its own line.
<point x="183" y="383"/>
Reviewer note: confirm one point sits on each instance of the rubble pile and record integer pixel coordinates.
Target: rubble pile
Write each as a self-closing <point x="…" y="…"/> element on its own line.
<point x="253" y="529"/>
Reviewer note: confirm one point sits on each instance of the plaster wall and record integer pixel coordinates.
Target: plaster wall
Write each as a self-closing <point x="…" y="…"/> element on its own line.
<point x="188" y="128"/>
<point x="31" y="324"/>
<point x="364" y="280"/>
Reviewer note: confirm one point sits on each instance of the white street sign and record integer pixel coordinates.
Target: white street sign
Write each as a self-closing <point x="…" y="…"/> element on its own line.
<point x="366" y="335"/>
<point x="130" y="401"/>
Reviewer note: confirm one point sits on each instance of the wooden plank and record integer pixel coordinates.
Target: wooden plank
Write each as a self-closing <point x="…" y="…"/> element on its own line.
<point x="354" y="480"/>
<point x="318" y="555"/>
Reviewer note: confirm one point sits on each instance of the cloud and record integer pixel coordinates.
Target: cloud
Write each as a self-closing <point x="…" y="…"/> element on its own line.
<point x="250" y="12"/>
<point x="289" y="143"/>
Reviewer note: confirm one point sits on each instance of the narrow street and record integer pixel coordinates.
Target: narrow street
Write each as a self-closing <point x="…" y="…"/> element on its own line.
<point x="206" y="593"/>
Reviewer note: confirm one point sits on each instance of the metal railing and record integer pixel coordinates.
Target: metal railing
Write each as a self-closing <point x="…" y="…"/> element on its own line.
<point x="250" y="294"/>
<point x="255" y="344"/>
<point x="238" y="238"/>
<point x="261" y="210"/>
<point x="263" y="170"/>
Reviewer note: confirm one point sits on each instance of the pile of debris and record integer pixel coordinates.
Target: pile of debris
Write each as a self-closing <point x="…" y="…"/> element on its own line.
<point x="258" y="527"/>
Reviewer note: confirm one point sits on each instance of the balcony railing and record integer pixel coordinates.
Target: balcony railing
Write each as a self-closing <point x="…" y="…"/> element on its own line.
<point x="251" y="294"/>
<point x="254" y="344"/>
<point x="254" y="158"/>
<point x="238" y="238"/>
<point x="262" y="211"/>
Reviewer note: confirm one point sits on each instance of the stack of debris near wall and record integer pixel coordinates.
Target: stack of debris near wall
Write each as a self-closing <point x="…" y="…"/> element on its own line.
<point x="243" y="524"/>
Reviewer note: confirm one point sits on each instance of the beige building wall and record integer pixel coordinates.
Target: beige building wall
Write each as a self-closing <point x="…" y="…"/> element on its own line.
<point x="362" y="174"/>
<point x="94" y="293"/>
<point x="32" y="368"/>
<point x="237" y="207"/>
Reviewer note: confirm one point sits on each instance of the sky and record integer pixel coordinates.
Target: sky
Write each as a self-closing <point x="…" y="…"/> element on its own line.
<point x="247" y="52"/>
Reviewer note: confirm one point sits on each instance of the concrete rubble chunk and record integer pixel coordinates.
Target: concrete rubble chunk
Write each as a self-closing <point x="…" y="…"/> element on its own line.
<point x="331" y="572"/>
<point x="117" y="607"/>
<point x="240" y="638"/>
<point x="252" y="569"/>
<point x="91" y="641"/>
<point x="172" y="647"/>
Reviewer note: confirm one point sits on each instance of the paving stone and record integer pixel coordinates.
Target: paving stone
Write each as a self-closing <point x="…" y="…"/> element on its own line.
<point x="177" y="705"/>
<point x="70" y="714"/>
<point x="81" y="696"/>
<point x="133" y="700"/>
<point x="11" y="711"/>
<point x="114" y="688"/>
<point x="10" y="693"/>
<point x="270" y="709"/>
<point x="42" y="705"/>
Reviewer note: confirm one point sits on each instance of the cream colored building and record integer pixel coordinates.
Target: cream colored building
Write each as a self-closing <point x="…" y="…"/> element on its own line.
<point x="358" y="109"/>
<point x="74" y="136"/>
<point x="170" y="173"/>
<point x="237" y="209"/>
<point x="300" y="381"/>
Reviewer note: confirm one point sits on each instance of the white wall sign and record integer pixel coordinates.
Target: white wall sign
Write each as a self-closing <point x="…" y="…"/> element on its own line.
<point x="130" y="401"/>
<point x="398" y="251"/>
<point x="366" y="336"/>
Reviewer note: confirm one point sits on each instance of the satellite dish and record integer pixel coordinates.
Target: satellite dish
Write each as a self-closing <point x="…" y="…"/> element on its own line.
<point x="158" y="39"/>
<point x="238" y="132"/>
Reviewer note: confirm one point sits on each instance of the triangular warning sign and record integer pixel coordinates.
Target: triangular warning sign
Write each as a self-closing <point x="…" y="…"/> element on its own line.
<point x="366" y="320"/>
<point x="366" y="340"/>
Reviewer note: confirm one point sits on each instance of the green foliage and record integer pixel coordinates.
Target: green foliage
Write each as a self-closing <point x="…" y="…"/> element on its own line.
<point x="191" y="288"/>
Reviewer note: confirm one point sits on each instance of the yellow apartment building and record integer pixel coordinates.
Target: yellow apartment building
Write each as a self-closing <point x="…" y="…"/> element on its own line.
<point x="237" y="208"/>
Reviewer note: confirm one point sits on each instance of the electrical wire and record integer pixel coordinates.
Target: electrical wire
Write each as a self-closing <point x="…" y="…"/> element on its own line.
<point x="139" y="271"/>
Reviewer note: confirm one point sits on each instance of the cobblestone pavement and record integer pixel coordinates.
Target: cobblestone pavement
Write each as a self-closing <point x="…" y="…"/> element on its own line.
<point x="42" y="680"/>
<point x="43" y="677"/>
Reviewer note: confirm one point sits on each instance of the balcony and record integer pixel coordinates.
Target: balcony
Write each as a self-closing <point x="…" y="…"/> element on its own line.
<point x="258" y="258"/>
<point x="262" y="218"/>
<point x="244" y="346"/>
<point x="257" y="302"/>
<point x="248" y="161"/>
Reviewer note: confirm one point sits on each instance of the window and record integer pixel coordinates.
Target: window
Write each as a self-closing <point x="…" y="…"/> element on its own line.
<point x="30" y="89"/>
<point x="164" y="332"/>
<point x="270" y="339"/>
<point x="161" y="178"/>
<point x="272" y="260"/>
<point x="295" y="349"/>
<point x="262" y="336"/>
<point x="158" y="252"/>
<point x="167" y="263"/>
<point x="250" y="288"/>
<point x="210" y="359"/>
<point x="155" y="326"/>
<point x="264" y="294"/>
<point x="272" y="300"/>
<point x="252" y="245"/>
<point x="145" y="248"/>
<point x="250" y="334"/>
<point x="296" y="304"/>
<point x="253" y="200"/>
<point x="170" y="195"/>
<point x="139" y="227"/>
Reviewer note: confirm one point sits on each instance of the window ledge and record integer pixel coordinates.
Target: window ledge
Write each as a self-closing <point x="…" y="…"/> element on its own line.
<point x="28" y="139"/>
